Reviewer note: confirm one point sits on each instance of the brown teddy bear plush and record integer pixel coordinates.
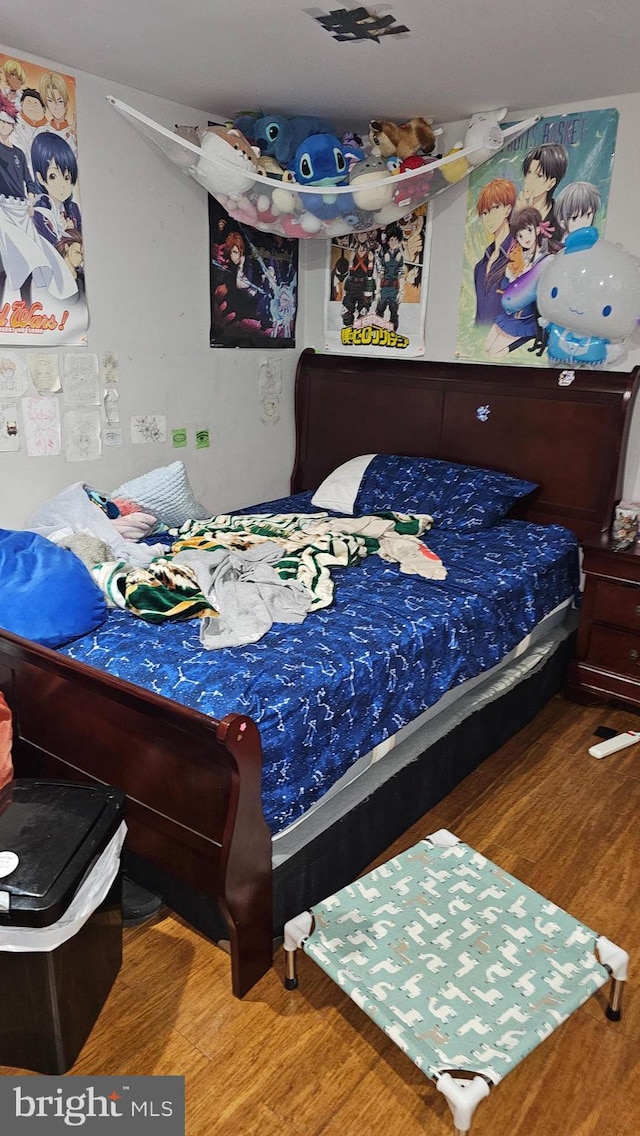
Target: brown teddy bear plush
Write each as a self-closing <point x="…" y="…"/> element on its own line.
<point x="416" y="136"/>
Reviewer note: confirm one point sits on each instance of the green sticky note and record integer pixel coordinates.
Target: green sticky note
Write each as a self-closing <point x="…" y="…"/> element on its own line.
<point x="202" y="439"/>
<point x="179" y="439"/>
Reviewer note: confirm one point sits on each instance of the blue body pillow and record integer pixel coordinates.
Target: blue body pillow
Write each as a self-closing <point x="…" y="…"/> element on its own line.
<point x="46" y="592"/>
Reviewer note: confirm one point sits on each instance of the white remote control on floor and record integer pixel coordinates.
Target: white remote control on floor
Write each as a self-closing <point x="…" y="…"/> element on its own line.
<point x="621" y="741"/>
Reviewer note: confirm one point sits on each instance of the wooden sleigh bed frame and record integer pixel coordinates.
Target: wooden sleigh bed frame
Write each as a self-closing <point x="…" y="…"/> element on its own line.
<point x="193" y="783"/>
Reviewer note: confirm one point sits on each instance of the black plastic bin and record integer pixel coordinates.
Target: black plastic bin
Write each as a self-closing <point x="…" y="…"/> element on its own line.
<point x="50" y="999"/>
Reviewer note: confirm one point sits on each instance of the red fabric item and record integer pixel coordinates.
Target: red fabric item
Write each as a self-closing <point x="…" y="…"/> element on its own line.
<point x="6" y="734"/>
<point x="125" y="506"/>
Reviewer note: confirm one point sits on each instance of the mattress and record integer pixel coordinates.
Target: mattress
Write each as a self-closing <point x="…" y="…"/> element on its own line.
<point x="326" y="692"/>
<point x="377" y="768"/>
<point x="444" y="715"/>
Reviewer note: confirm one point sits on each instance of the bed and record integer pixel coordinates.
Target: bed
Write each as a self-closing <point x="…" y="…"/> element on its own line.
<point x="194" y="781"/>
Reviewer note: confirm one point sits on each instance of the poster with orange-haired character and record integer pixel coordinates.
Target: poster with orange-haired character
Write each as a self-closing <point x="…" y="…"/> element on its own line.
<point x="254" y="284"/>
<point x="42" y="283"/>
<point x="521" y="206"/>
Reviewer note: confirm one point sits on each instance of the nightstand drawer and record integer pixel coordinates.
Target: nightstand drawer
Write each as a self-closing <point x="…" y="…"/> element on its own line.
<point x="617" y="651"/>
<point x="618" y="604"/>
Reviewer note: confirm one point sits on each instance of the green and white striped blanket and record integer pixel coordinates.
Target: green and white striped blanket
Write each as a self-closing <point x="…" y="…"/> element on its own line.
<point x="312" y="545"/>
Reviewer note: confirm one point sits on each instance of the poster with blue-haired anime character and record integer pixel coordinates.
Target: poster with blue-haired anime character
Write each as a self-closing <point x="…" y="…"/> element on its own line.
<point x="42" y="285"/>
<point x="522" y="205"/>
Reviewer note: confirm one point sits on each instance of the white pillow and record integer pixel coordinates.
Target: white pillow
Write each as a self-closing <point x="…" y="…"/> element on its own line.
<point x="166" y="493"/>
<point x="340" y="489"/>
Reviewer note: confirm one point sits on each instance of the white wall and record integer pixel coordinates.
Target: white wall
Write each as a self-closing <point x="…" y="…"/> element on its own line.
<point x="146" y="255"/>
<point x="623" y="226"/>
<point x="147" y="271"/>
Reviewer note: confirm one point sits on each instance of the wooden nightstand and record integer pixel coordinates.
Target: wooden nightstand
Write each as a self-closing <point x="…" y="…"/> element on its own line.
<point x="606" y="665"/>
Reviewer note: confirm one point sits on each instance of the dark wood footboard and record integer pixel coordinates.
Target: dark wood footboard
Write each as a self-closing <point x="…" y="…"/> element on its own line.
<point x="192" y="782"/>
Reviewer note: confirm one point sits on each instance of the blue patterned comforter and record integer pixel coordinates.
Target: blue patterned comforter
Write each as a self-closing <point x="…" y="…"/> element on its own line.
<point x="326" y="691"/>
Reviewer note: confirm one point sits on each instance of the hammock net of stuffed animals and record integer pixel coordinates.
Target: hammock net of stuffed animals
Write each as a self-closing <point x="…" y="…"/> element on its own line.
<point x="292" y="210"/>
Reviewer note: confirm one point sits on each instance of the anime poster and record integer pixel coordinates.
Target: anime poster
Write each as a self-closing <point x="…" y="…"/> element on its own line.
<point x="521" y="206"/>
<point x="254" y="284"/>
<point x="376" y="292"/>
<point x="42" y="287"/>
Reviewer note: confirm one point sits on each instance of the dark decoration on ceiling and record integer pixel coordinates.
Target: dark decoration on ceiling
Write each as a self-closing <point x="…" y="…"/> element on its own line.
<point x="350" y="25"/>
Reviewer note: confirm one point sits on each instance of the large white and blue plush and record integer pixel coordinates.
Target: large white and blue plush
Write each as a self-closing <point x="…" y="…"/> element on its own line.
<point x="588" y="298"/>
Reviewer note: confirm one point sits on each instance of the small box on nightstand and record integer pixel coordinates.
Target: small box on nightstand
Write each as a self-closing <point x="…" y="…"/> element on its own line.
<point x="626" y="523"/>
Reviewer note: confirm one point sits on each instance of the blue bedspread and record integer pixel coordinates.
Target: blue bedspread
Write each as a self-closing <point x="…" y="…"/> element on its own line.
<point x="326" y="691"/>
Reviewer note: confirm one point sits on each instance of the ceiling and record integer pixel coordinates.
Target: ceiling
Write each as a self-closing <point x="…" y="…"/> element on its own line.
<point x="273" y="55"/>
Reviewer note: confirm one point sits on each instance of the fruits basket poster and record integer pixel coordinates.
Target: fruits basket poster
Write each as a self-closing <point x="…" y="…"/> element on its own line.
<point x="522" y="205"/>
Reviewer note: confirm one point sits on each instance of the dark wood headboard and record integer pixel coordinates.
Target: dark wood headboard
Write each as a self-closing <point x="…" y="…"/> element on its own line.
<point x="570" y="439"/>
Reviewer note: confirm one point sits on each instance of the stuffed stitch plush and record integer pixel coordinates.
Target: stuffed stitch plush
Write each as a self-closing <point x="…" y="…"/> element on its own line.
<point x="279" y="137"/>
<point x="246" y="124"/>
<point x="320" y="160"/>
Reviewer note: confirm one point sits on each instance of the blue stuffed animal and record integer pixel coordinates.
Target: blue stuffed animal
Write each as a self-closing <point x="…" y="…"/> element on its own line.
<point x="279" y="137"/>
<point x="246" y="124"/>
<point x="321" y="160"/>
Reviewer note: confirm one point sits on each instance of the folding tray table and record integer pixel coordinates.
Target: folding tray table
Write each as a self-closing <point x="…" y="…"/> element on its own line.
<point x="463" y="966"/>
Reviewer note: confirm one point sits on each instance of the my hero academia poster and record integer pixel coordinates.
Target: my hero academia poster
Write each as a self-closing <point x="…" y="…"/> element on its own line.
<point x="254" y="284"/>
<point x="42" y="284"/>
<point x="376" y="290"/>
<point x="522" y="205"/>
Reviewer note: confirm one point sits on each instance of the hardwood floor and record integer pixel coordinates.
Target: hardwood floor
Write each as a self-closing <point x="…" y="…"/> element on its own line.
<point x="309" y="1062"/>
